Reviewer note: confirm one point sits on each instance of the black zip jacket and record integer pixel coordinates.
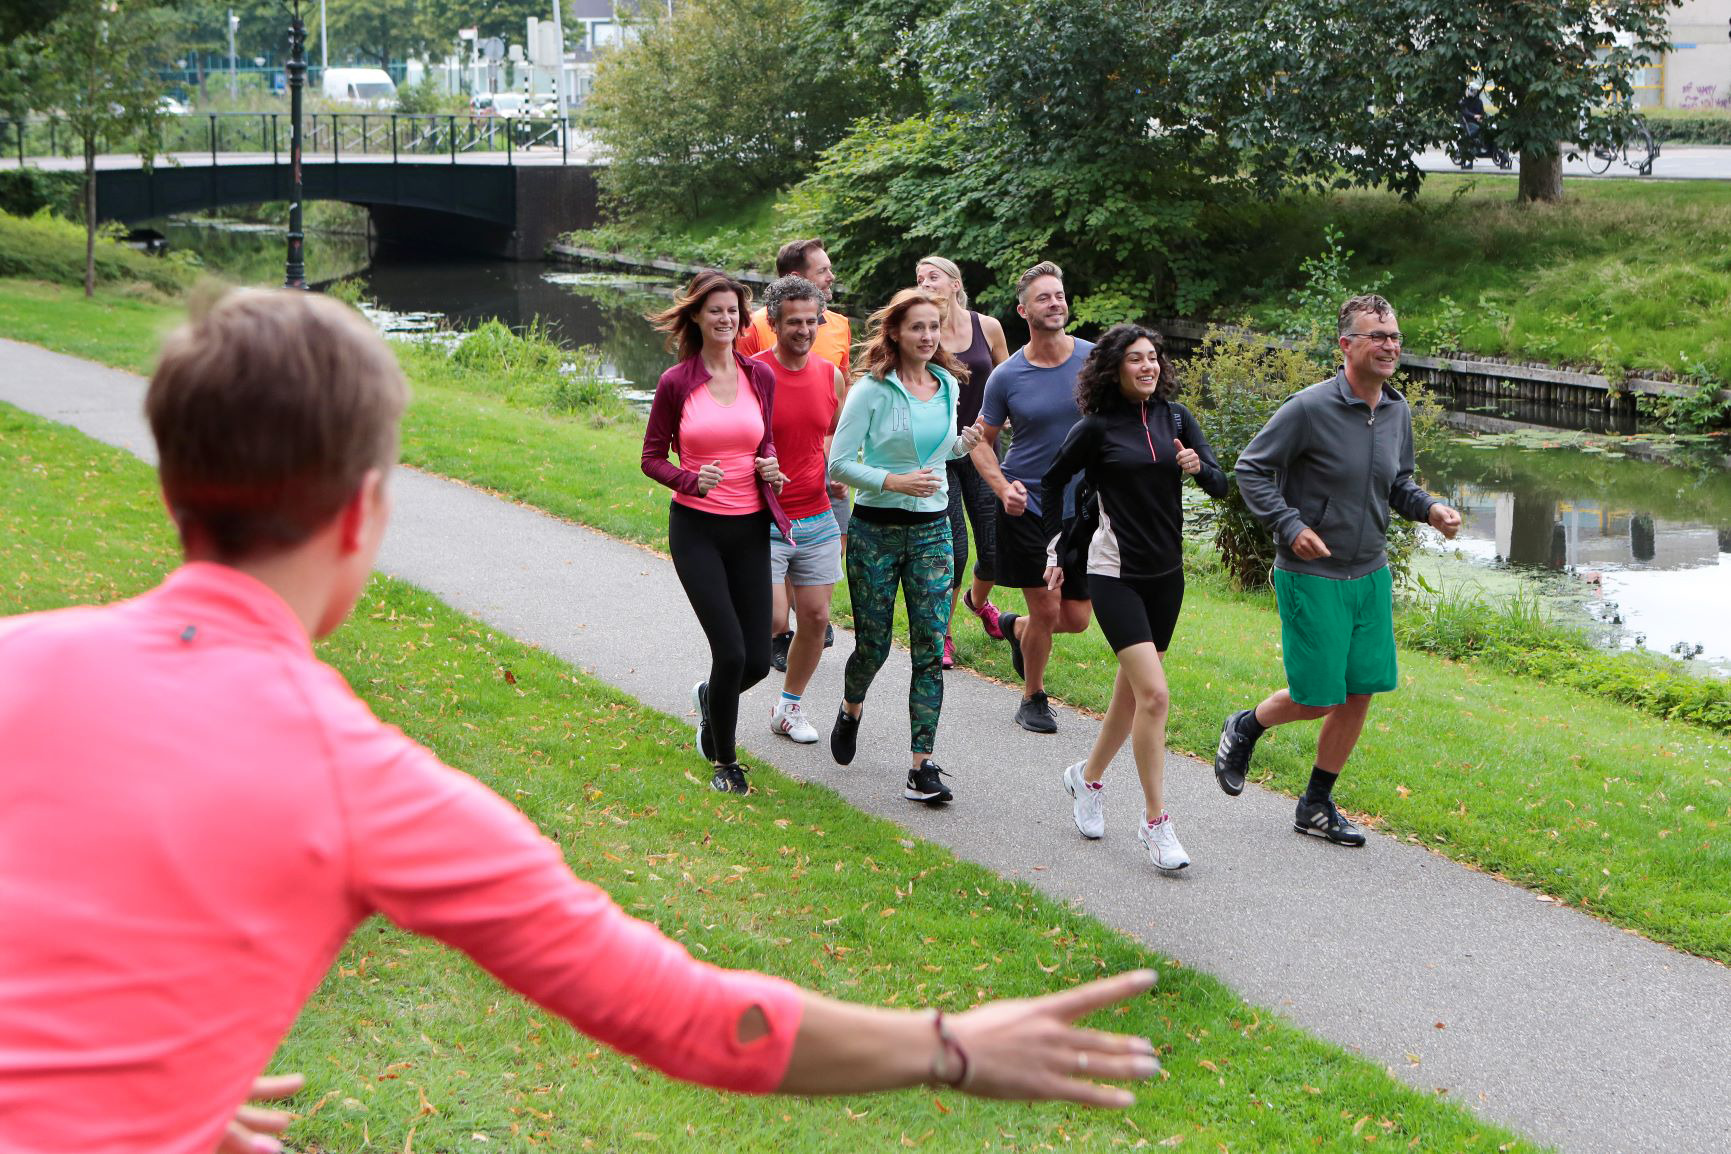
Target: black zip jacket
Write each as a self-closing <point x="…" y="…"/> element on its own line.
<point x="1131" y="462"/>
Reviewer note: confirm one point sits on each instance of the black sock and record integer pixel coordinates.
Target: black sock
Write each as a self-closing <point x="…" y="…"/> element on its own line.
<point x="1321" y="784"/>
<point x="1249" y="727"/>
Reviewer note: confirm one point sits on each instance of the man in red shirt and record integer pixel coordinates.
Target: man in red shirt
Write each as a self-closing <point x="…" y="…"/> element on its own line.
<point x="808" y="393"/>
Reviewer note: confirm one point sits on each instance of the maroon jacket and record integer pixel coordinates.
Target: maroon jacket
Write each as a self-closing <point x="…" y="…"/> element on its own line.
<point x="662" y="435"/>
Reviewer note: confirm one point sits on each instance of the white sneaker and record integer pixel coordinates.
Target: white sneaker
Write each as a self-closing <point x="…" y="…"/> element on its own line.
<point x="788" y="719"/>
<point x="1161" y="841"/>
<point x="1090" y="808"/>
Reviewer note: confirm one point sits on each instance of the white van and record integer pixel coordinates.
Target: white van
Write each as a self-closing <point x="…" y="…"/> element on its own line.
<point x="363" y="87"/>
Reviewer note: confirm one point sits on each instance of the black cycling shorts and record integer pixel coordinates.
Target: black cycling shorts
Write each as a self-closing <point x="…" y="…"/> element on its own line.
<point x="1134" y="610"/>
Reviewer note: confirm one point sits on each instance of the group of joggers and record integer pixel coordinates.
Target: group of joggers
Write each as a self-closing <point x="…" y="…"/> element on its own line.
<point x="1083" y="515"/>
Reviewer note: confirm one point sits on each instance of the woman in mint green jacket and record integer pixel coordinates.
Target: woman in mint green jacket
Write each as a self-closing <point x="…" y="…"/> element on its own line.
<point x="895" y="434"/>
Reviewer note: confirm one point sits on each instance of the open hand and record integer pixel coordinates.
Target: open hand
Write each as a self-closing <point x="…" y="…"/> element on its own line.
<point x="1188" y="460"/>
<point x="1445" y="519"/>
<point x="972" y="435"/>
<point x="1054" y="577"/>
<point x="708" y="478"/>
<point x="1307" y="546"/>
<point x="251" y="1130"/>
<point x="1026" y="1048"/>
<point x="1015" y="498"/>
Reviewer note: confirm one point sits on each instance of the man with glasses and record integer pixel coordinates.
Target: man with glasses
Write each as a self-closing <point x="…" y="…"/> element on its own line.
<point x="1322" y="476"/>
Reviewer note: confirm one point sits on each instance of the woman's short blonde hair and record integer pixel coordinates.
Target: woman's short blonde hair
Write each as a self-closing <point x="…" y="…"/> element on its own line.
<point x="949" y="268"/>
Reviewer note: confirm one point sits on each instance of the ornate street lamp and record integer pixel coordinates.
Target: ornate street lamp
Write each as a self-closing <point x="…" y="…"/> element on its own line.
<point x="295" y="271"/>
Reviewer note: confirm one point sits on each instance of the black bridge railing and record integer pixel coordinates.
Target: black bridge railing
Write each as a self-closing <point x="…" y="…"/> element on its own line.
<point x="325" y="135"/>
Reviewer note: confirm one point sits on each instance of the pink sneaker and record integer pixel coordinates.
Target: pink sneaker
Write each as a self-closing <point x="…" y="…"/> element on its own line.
<point x="988" y="615"/>
<point x="949" y="652"/>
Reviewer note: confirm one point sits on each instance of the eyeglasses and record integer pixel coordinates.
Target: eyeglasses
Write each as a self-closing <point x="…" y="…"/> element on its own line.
<point x="1378" y="337"/>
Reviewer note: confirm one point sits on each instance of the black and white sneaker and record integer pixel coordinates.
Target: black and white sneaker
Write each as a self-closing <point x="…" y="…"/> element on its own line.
<point x="843" y="737"/>
<point x="700" y="702"/>
<point x="1007" y="622"/>
<point x="729" y="778"/>
<point x="924" y="783"/>
<point x="1035" y="714"/>
<point x="778" y="647"/>
<point x="1323" y="820"/>
<point x="1232" y="756"/>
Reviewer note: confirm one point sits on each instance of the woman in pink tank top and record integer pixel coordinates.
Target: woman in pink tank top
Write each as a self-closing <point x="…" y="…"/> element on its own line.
<point x="713" y="410"/>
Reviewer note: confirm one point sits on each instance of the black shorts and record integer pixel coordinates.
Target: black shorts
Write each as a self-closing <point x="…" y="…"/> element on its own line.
<point x="1138" y="609"/>
<point x="1021" y="557"/>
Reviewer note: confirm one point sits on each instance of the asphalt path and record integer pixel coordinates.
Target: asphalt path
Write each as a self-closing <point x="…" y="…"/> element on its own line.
<point x="1571" y="1031"/>
<point x="1675" y="162"/>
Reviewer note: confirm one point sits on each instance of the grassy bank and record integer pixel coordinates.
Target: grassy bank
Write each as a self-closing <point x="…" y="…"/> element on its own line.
<point x="1585" y="800"/>
<point x="408" y="1046"/>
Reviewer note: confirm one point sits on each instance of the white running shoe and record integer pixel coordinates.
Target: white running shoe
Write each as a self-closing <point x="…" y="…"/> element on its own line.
<point x="788" y="719"/>
<point x="1161" y="841"/>
<point x="1090" y="808"/>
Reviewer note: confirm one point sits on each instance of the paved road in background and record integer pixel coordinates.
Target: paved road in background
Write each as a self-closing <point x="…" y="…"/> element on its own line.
<point x="1676" y="162"/>
<point x="1571" y="1031"/>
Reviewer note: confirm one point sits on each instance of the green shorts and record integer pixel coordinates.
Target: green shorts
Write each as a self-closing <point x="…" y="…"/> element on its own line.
<point x="1336" y="637"/>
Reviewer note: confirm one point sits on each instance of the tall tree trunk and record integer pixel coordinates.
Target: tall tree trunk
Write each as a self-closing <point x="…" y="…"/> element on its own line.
<point x="1541" y="176"/>
<point x="89" y="217"/>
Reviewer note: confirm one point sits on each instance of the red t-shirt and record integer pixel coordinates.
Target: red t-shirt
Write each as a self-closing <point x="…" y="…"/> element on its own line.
<point x="805" y="409"/>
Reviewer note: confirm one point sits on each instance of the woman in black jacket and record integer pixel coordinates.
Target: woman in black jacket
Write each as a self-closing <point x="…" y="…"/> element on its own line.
<point x="1136" y="446"/>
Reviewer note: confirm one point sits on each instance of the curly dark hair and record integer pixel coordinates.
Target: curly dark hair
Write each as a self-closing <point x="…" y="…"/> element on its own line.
<point x="1097" y="386"/>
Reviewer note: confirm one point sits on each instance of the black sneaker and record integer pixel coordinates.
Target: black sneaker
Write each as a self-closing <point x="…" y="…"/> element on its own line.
<point x="700" y="702"/>
<point x="778" y="647"/>
<point x="1323" y="820"/>
<point x="729" y="778"/>
<point x="1232" y="756"/>
<point x="843" y="737"/>
<point x="1007" y="622"/>
<point x="924" y="784"/>
<point x="1035" y="715"/>
<point x="829" y="636"/>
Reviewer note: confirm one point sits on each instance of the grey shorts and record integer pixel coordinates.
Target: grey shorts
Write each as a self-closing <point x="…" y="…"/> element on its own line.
<point x="817" y="561"/>
<point x="842" y="510"/>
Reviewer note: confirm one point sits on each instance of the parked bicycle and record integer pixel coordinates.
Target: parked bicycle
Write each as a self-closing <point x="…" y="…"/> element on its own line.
<point x="1638" y="151"/>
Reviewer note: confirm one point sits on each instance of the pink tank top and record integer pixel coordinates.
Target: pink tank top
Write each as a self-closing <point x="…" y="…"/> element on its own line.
<point x="729" y="434"/>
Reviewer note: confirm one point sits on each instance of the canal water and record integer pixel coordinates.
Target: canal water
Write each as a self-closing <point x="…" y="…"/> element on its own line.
<point x="1630" y="537"/>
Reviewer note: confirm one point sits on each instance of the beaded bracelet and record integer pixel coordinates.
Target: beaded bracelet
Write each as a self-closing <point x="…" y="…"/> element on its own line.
<point x="942" y="1061"/>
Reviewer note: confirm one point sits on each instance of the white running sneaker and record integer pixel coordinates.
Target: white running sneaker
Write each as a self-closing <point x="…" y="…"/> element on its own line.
<point x="1090" y="808"/>
<point x="788" y="719"/>
<point x="1161" y="841"/>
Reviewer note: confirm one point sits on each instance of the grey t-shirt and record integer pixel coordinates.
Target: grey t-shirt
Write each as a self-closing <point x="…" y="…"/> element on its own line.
<point x="1040" y="404"/>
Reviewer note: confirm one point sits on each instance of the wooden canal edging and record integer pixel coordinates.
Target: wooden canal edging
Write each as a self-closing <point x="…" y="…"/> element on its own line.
<point x="1464" y="378"/>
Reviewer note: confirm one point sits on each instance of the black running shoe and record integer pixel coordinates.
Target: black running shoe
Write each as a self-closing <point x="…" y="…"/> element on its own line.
<point x="1323" y="820"/>
<point x="829" y="636"/>
<point x="1232" y="756"/>
<point x="700" y="702"/>
<point x="924" y="784"/>
<point x="778" y="647"/>
<point x="843" y="737"/>
<point x="729" y="778"/>
<point x="1035" y="715"/>
<point x="1007" y="622"/>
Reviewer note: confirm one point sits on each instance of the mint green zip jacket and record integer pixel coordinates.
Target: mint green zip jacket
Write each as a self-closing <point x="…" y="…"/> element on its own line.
<point x="874" y="437"/>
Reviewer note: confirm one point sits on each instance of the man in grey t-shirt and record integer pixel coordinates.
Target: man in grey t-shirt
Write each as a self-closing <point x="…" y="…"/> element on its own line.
<point x="1035" y="393"/>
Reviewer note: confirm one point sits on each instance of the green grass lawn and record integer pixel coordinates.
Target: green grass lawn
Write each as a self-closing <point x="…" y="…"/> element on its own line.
<point x="407" y="1046"/>
<point x="1634" y="272"/>
<point x="1602" y="807"/>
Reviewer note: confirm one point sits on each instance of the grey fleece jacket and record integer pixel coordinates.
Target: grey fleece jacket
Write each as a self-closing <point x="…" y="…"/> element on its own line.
<point x="1326" y="461"/>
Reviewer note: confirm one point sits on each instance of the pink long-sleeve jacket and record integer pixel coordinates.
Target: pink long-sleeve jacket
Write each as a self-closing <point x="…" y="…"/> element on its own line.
<point x="194" y="815"/>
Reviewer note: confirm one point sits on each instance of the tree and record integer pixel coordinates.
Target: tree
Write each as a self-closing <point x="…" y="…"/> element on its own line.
<point x="381" y="30"/>
<point x="1321" y="92"/>
<point x="100" y="61"/>
<point x="720" y="102"/>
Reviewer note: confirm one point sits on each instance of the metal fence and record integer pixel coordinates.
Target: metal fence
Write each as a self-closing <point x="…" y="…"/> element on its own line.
<point x="326" y="136"/>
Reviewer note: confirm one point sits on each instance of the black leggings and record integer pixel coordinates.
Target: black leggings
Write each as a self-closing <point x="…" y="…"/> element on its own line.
<point x="723" y="563"/>
<point x="969" y="492"/>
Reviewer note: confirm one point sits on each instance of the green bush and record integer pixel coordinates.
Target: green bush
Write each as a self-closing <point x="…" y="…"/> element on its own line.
<point x="1520" y="638"/>
<point x="27" y="191"/>
<point x="530" y="369"/>
<point x="48" y="248"/>
<point x="1685" y="129"/>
